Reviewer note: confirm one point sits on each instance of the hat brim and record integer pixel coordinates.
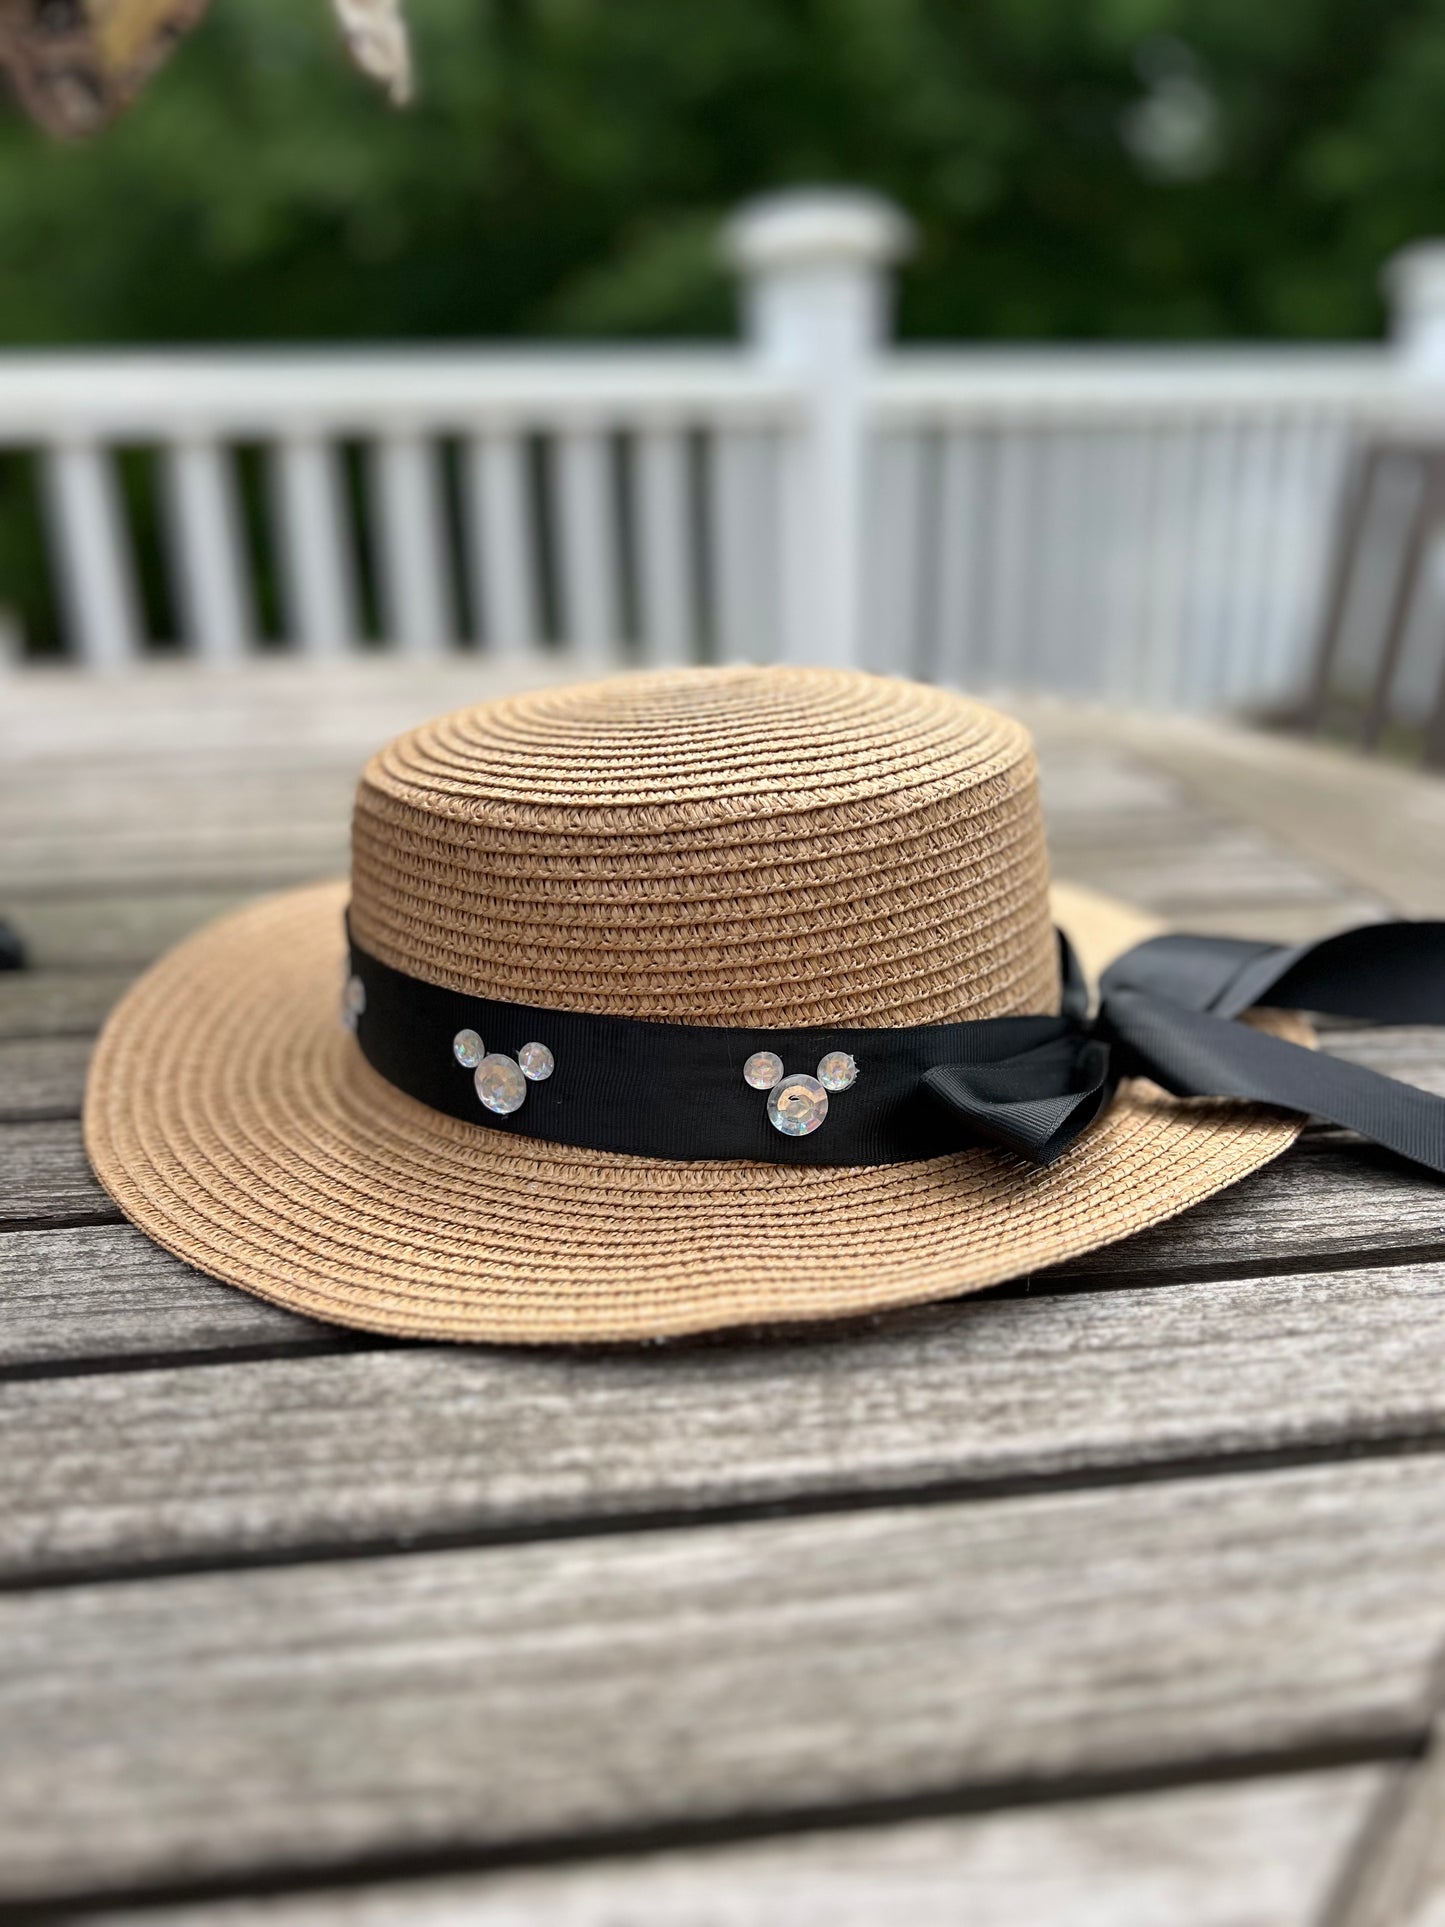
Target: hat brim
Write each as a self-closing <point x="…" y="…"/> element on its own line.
<point x="233" y="1119"/>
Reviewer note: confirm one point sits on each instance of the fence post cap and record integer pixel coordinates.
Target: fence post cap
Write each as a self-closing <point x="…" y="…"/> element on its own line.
<point x="811" y="226"/>
<point x="1415" y="276"/>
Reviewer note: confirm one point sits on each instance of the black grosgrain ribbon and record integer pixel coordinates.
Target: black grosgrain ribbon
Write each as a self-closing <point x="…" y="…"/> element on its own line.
<point x="1168" y="1010"/>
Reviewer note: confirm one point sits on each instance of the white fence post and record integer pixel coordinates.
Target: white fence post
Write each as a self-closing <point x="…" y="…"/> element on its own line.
<point x="817" y="300"/>
<point x="1414" y="283"/>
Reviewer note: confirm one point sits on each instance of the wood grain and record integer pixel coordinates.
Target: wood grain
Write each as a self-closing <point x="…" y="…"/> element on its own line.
<point x="1058" y="1611"/>
<point x="44" y="1177"/>
<point x="105" y="1292"/>
<point x="42" y="1077"/>
<point x="299" y="1716"/>
<point x="57" y="1003"/>
<point x="1376" y="825"/>
<point x="1263" y="1853"/>
<point x="126" y="930"/>
<point x="381" y="1447"/>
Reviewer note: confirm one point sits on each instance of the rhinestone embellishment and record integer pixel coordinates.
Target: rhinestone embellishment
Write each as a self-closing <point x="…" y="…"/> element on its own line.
<point x="353" y="1002"/>
<point x="536" y="1062"/>
<point x="500" y="1083"/>
<point x="468" y="1049"/>
<point x="797" y="1105"/>
<point x="836" y="1071"/>
<point x="762" y="1070"/>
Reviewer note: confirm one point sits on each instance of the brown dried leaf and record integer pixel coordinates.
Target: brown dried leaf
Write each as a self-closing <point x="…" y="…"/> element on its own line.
<point x="74" y="64"/>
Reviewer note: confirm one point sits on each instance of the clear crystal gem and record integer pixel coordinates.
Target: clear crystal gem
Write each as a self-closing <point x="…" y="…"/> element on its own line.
<point x="468" y="1049"/>
<point x="836" y="1071"/>
<point x="500" y="1083"/>
<point x="797" y="1105"/>
<point x="762" y="1070"/>
<point x="353" y="1001"/>
<point x="536" y="1061"/>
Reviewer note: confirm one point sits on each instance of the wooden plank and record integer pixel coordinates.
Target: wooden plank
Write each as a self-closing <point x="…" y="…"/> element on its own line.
<point x="1171" y="869"/>
<point x="57" y="1003"/>
<point x="42" y="1078"/>
<point x="278" y="707"/>
<point x="1324" y="1201"/>
<point x="469" y="1701"/>
<point x="1398" y="1879"/>
<point x="105" y="1292"/>
<point x="127" y="930"/>
<point x="198" y="857"/>
<point x="1379" y="827"/>
<point x="1265" y="1852"/>
<point x="44" y="1178"/>
<point x="260" y="1458"/>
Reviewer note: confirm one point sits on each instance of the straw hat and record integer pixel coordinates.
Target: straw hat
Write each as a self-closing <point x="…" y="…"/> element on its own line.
<point x="779" y="847"/>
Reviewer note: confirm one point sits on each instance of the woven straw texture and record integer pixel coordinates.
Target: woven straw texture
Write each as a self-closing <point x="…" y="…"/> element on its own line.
<point x="740" y="846"/>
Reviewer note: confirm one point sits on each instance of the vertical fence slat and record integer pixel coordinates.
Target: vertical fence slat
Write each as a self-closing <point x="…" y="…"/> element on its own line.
<point x="587" y="556"/>
<point x="1066" y="560"/>
<point x="1168" y="532"/>
<point x="94" y="564"/>
<point x="1007" y="637"/>
<point x="207" y="550"/>
<point x="1128" y="585"/>
<point x="961" y="483"/>
<point x="413" y="564"/>
<point x="1207" y="566"/>
<point x="742" y="532"/>
<point x="1310" y="484"/>
<point x="893" y="554"/>
<point x="318" y="576"/>
<point x="664" y="546"/>
<point x="500" y="547"/>
<point x="1255" y="505"/>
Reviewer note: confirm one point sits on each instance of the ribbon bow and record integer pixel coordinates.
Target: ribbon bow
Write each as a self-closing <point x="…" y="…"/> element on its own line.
<point x="1166" y="1012"/>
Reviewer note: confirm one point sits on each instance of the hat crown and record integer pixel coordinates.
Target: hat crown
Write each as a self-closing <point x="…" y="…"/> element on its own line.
<point x="776" y="847"/>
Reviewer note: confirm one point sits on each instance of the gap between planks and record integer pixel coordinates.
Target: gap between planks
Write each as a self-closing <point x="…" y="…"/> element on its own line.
<point x="1246" y="1843"/>
<point x="154" y="1471"/>
<point x="493" y="1702"/>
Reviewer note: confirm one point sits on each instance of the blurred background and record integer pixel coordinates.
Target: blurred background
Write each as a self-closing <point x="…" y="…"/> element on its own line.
<point x="1101" y="386"/>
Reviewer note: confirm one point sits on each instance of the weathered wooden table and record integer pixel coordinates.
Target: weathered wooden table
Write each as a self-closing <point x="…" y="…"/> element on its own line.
<point x="1115" y="1596"/>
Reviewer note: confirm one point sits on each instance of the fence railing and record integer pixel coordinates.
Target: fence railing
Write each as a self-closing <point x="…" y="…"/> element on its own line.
<point x="1148" y="526"/>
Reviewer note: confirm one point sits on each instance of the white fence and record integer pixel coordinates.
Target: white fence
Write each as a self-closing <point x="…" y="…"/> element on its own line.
<point x="1148" y="526"/>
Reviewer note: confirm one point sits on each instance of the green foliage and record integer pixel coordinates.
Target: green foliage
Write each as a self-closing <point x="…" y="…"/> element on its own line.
<point x="1127" y="169"/>
<point x="1078" y="168"/>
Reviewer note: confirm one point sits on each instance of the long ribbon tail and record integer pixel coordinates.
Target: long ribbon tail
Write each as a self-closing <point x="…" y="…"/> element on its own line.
<point x="1196" y="1054"/>
<point x="1392" y="972"/>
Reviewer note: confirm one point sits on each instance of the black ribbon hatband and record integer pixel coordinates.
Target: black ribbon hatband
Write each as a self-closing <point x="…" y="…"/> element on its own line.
<point x="1168" y="1010"/>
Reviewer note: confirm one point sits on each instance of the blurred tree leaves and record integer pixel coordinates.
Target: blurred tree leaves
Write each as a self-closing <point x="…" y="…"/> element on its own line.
<point x="1078" y="168"/>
